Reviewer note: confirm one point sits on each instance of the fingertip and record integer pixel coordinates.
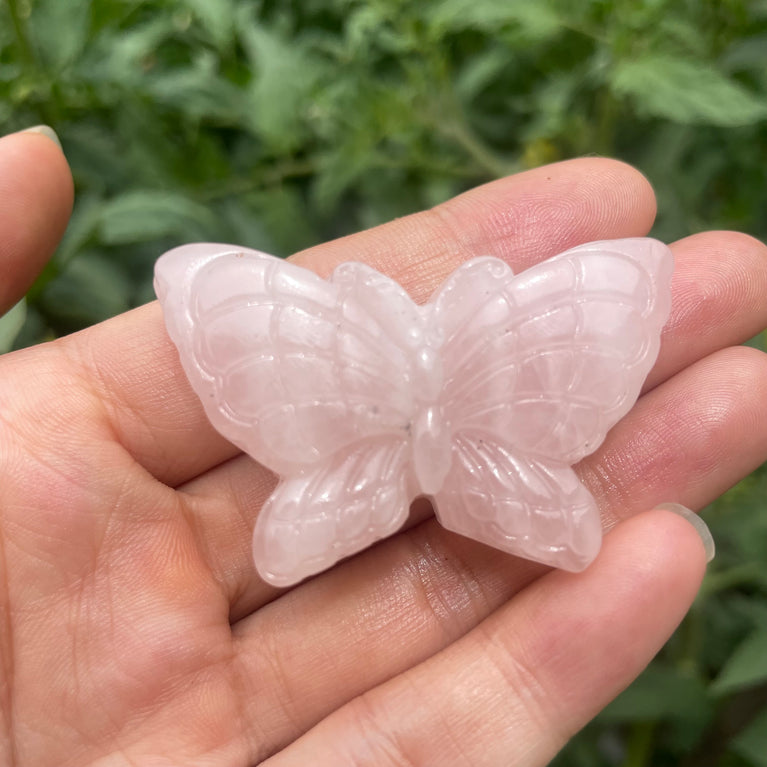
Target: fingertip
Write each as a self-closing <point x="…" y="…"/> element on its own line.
<point x="666" y="548"/>
<point x="36" y="154"/>
<point x="36" y="198"/>
<point x="47" y="131"/>
<point x="637" y="185"/>
<point x="54" y="171"/>
<point x="622" y="194"/>
<point x="544" y="211"/>
<point x="41" y="147"/>
<point x="522" y="219"/>
<point x="697" y="523"/>
<point x="596" y="630"/>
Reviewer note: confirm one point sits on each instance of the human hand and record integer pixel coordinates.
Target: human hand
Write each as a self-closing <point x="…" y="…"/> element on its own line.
<point x="134" y="628"/>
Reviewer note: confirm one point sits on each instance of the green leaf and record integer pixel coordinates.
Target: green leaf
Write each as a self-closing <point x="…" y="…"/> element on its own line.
<point x="538" y="20"/>
<point x="122" y="56"/>
<point x="336" y="172"/>
<point x="141" y="216"/>
<point x="686" y="91"/>
<point x="11" y="324"/>
<point x="217" y="16"/>
<point x="89" y="290"/>
<point x="751" y="743"/>
<point x="59" y="30"/>
<point x="481" y="71"/>
<point x="10" y="72"/>
<point x="282" y="211"/>
<point x="747" y="665"/>
<point x="241" y="221"/>
<point x="285" y="75"/>
<point x="198" y="92"/>
<point x="661" y="692"/>
<point x="747" y="53"/>
<point x="82" y="224"/>
<point x="369" y="26"/>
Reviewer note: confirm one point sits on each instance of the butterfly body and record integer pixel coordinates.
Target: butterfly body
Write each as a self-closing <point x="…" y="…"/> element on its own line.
<point x="432" y="449"/>
<point x="360" y="400"/>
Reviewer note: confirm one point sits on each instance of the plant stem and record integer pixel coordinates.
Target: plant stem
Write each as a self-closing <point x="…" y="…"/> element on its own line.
<point x="691" y="634"/>
<point x="25" y="47"/>
<point x="607" y="115"/>
<point x="445" y="114"/>
<point x="478" y="150"/>
<point x="740" y="575"/>
<point x="281" y="172"/>
<point x="48" y="107"/>
<point x="271" y="176"/>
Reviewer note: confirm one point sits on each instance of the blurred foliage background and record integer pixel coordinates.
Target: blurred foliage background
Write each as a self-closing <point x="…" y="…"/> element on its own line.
<point x="282" y="123"/>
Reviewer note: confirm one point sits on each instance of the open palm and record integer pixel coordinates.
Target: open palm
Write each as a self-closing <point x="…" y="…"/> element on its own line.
<point x="134" y="629"/>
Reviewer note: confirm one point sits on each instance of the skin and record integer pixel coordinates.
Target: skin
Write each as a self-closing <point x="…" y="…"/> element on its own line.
<point x="133" y="627"/>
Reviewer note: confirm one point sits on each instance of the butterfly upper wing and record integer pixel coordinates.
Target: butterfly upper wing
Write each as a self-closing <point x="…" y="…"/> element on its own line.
<point x="290" y="367"/>
<point x="548" y="361"/>
<point x="538" y="368"/>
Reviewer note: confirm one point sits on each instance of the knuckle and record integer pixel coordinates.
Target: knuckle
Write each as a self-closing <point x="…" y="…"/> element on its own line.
<point x="377" y="743"/>
<point x="447" y="586"/>
<point x="523" y="686"/>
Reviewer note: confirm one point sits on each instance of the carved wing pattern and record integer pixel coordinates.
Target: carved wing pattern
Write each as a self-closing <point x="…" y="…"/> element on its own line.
<point x="290" y="367"/>
<point x="528" y="508"/>
<point x="318" y="380"/>
<point x="538" y="368"/>
<point x="552" y="358"/>
<point x="332" y="511"/>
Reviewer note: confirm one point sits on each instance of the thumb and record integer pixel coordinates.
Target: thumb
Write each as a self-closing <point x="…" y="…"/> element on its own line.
<point x="36" y="194"/>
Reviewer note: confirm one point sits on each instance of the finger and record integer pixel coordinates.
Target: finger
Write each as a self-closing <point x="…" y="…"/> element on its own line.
<point x="412" y="595"/>
<point x="367" y="620"/>
<point x="718" y="290"/>
<point x="157" y="415"/>
<point x="35" y="202"/>
<point x="409" y="597"/>
<point x="522" y="219"/>
<point x="518" y="686"/>
<point x="690" y="439"/>
<point x="135" y="369"/>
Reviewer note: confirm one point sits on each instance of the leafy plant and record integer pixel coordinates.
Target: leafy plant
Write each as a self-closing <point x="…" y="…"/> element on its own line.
<point x="282" y="123"/>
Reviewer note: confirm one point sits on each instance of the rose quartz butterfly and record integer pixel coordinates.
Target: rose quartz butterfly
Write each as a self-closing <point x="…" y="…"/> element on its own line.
<point x="360" y="400"/>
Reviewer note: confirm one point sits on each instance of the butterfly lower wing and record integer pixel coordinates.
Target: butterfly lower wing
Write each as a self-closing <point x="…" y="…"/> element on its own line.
<point x="549" y="360"/>
<point x="528" y="508"/>
<point x="290" y="367"/>
<point x="332" y="511"/>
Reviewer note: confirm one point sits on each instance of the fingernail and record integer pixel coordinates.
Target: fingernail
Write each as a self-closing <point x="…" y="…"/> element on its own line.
<point x="700" y="526"/>
<point x="44" y="130"/>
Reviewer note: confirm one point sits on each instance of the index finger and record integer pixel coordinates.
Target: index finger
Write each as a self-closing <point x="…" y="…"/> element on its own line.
<point x="521" y="219"/>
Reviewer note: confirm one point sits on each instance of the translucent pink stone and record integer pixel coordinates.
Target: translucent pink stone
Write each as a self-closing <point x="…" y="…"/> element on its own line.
<point x="482" y="399"/>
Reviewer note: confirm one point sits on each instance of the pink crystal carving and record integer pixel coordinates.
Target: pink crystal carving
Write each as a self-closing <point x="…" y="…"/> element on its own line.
<point x="360" y="400"/>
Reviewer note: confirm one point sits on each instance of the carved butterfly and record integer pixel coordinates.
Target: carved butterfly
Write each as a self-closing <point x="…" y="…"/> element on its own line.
<point x="361" y="400"/>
